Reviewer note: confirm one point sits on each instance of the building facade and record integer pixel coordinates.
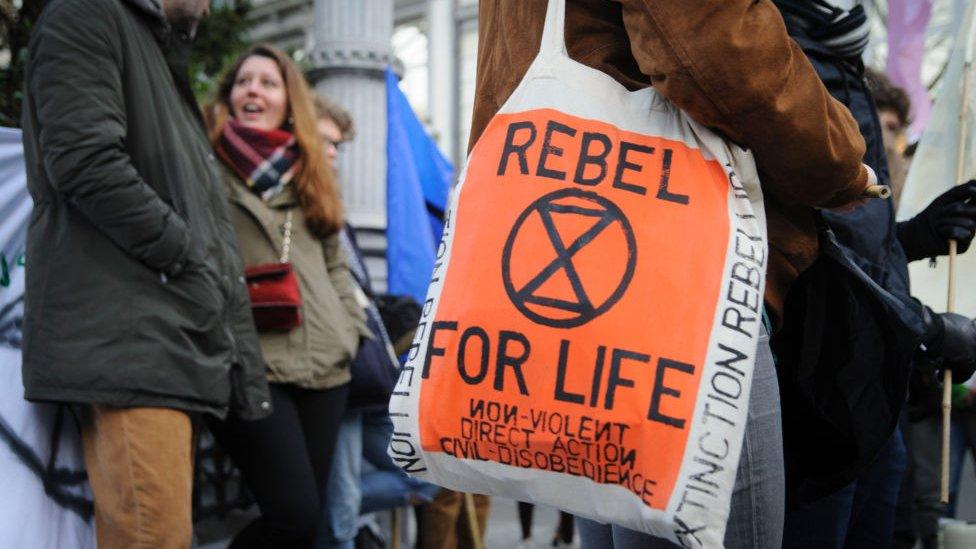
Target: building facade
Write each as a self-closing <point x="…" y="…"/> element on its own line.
<point x="434" y="44"/>
<point x="345" y="47"/>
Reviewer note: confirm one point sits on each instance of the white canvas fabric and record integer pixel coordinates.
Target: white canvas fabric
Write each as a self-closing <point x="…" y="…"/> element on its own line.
<point x="591" y="325"/>
<point x="30" y="514"/>
<point x="934" y="166"/>
<point x="15" y="207"/>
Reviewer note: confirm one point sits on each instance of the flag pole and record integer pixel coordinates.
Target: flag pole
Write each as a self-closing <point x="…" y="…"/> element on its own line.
<point x="951" y="293"/>
<point x="947" y="382"/>
<point x="473" y="528"/>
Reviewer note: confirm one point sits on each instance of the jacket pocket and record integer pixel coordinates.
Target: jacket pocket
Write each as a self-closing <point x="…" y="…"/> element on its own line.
<point x="198" y="294"/>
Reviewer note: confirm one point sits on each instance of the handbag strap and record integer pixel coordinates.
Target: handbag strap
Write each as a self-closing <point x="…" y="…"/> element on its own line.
<point x="286" y="238"/>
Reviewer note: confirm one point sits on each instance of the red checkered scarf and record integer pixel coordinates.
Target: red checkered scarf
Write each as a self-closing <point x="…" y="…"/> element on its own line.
<point x="263" y="159"/>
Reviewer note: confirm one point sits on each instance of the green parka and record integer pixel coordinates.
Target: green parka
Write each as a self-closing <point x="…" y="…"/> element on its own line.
<point x="135" y="290"/>
<point x="315" y="355"/>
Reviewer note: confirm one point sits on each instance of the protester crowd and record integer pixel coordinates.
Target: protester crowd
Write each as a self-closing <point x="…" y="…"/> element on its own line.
<point x="215" y="282"/>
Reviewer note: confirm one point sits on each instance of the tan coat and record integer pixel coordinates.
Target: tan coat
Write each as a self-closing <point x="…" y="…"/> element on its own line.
<point x="316" y="355"/>
<point x="731" y="66"/>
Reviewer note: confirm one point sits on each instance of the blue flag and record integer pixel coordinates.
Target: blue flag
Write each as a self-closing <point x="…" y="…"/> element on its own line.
<point x="418" y="181"/>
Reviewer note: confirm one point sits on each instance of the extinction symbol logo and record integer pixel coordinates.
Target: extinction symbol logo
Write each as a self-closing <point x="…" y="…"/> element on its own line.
<point x="553" y="273"/>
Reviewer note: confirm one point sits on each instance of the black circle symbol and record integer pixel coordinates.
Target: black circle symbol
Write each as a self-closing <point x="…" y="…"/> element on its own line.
<point x="579" y="300"/>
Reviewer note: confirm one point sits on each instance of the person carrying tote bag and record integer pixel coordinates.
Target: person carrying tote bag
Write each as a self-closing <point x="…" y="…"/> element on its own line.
<point x="286" y="211"/>
<point x="600" y="275"/>
<point x="696" y="56"/>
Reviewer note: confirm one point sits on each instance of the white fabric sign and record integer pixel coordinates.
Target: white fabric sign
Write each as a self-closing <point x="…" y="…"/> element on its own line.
<point x="933" y="172"/>
<point x="44" y="505"/>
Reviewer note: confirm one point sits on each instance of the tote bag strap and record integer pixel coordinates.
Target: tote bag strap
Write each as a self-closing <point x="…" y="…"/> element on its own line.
<point x="554" y="31"/>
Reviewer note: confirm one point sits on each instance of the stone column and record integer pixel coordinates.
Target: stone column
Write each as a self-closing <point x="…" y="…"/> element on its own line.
<point x="351" y="52"/>
<point x="442" y="88"/>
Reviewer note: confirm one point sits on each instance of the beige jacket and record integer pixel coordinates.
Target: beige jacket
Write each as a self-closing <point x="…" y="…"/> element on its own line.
<point x="316" y="355"/>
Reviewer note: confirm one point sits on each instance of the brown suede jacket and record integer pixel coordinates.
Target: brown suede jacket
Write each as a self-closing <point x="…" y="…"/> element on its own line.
<point x="731" y="66"/>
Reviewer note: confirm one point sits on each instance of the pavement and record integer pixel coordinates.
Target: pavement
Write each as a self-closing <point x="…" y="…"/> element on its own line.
<point x="503" y="530"/>
<point x="503" y="525"/>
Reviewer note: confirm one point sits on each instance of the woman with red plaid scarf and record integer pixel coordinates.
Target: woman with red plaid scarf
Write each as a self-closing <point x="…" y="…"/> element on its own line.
<point x="287" y="215"/>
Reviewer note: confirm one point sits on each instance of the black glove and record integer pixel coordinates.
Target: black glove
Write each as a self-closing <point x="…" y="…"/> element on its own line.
<point x="951" y="216"/>
<point x="950" y="341"/>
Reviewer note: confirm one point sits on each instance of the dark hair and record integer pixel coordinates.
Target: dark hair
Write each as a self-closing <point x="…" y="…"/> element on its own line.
<point x="315" y="185"/>
<point x="327" y="108"/>
<point x="888" y="96"/>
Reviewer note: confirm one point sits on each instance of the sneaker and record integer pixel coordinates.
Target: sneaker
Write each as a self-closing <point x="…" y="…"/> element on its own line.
<point x="526" y="544"/>
<point x="560" y="544"/>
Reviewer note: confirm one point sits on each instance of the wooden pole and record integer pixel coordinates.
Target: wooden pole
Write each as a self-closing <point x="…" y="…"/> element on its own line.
<point x="877" y="191"/>
<point x="472" y="515"/>
<point x="947" y="382"/>
<point x="951" y="293"/>
<point x="396" y="527"/>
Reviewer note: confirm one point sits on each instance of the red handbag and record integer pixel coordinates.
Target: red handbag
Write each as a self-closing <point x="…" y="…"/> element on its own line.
<point x="275" y="299"/>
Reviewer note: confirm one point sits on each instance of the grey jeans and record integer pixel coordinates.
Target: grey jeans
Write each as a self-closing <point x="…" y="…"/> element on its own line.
<point x="759" y="497"/>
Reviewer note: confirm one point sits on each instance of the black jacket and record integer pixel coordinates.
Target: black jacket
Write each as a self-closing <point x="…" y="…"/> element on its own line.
<point x="845" y="352"/>
<point x="870" y="230"/>
<point x="135" y="293"/>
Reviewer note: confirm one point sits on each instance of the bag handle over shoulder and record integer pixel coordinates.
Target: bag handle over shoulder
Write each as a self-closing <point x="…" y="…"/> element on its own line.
<point x="554" y="31"/>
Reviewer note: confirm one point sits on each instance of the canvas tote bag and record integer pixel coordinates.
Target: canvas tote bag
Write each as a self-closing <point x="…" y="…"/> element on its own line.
<point x="591" y="325"/>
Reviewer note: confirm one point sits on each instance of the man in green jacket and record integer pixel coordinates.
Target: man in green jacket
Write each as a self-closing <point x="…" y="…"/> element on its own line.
<point x="136" y="307"/>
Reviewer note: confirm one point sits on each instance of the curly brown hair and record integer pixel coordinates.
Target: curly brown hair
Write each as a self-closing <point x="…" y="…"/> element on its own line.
<point x="325" y="107"/>
<point x="888" y="96"/>
<point x="315" y="185"/>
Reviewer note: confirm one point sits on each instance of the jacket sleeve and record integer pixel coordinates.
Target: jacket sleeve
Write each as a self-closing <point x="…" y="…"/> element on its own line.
<point x="74" y="79"/>
<point x="345" y="285"/>
<point x="731" y="66"/>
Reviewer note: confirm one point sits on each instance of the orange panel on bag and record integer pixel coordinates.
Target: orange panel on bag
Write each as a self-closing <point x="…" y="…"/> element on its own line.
<point x="586" y="325"/>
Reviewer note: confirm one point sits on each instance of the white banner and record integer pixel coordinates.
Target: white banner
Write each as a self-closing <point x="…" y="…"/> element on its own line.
<point x="44" y="504"/>
<point x="949" y="134"/>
